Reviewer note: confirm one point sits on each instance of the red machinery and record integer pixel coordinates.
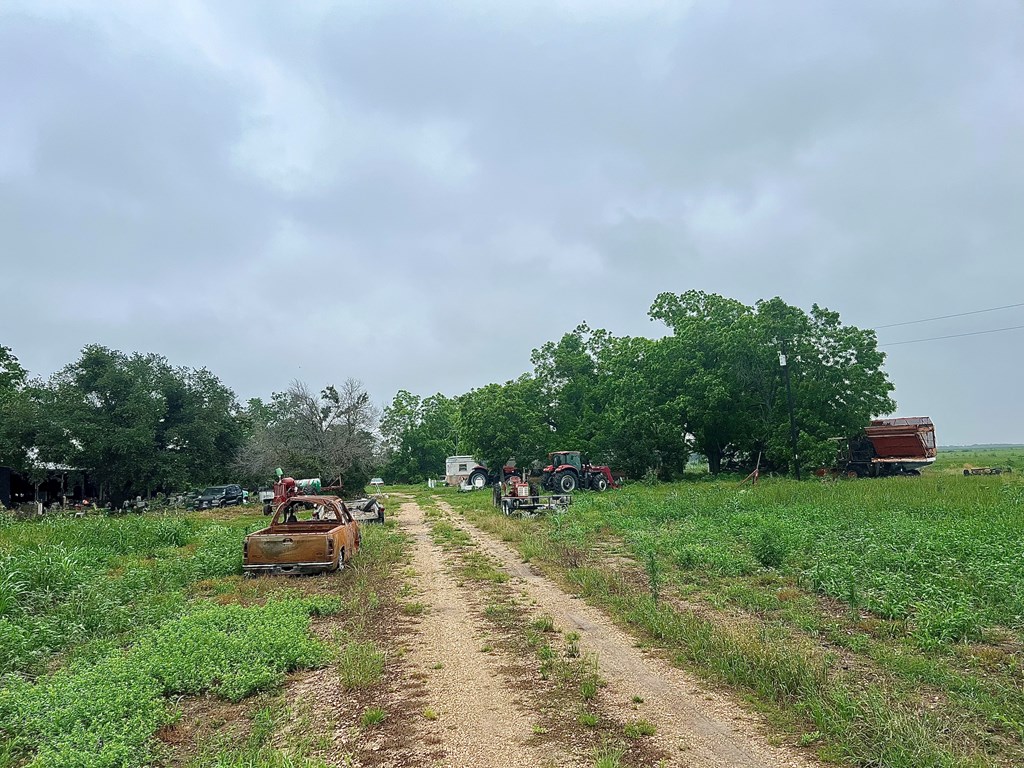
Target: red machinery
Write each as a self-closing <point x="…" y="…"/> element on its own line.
<point x="568" y="470"/>
<point x="901" y="446"/>
<point x="519" y="496"/>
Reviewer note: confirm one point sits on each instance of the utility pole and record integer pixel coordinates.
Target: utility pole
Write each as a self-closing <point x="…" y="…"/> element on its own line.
<point x="793" y="433"/>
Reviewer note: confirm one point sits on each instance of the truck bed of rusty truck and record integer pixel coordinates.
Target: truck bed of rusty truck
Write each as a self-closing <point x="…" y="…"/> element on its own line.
<point x="307" y="535"/>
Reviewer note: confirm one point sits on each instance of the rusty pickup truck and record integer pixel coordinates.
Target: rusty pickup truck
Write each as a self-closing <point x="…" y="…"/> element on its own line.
<point x="307" y="535"/>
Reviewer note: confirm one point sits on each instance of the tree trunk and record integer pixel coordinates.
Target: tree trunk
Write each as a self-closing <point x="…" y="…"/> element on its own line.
<point x="715" y="460"/>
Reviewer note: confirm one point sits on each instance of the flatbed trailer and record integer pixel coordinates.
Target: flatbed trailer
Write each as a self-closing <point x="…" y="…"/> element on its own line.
<point x="517" y="496"/>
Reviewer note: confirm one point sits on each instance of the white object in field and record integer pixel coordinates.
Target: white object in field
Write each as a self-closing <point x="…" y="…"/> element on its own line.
<point x="458" y="468"/>
<point x="431" y="483"/>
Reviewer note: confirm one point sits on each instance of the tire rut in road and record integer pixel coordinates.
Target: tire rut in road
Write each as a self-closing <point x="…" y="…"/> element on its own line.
<point x="695" y="725"/>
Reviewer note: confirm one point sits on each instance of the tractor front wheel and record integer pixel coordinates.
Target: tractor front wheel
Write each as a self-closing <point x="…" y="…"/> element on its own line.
<point x="599" y="483"/>
<point x="565" y="482"/>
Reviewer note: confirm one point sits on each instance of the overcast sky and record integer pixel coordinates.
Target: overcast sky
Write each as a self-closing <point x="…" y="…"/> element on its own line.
<point x="417" y="194"/>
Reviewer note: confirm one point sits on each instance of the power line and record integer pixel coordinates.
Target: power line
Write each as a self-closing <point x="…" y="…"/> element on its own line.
<point x="953" y="336"/>
<point x="946" y="317"/>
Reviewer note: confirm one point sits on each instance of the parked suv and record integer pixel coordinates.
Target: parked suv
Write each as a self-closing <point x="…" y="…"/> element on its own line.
<point x="219" y="496"/>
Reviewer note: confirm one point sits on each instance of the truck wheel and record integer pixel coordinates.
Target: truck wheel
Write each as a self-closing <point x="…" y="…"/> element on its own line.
<point x="478" y="480"/>
<point x="599" y="483"/>
<point x="565" y="482"/>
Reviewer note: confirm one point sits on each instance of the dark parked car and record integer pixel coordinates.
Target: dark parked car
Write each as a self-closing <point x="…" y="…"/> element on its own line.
<point x="219" y="496"/>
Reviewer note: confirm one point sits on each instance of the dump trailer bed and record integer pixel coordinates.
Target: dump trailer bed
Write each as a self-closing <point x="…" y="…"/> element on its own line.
<point x="899" y="446"/>
<point x="308" y="534"/>
<point x="907" y="438"/>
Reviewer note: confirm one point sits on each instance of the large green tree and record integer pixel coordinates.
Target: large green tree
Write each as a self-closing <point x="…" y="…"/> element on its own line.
<point x="614" y="399"/>
<point x="725" y="356"/>
<point x="419" y="433"/>
<point x="17" y="414"/>
<point x="506" y="421"/>
<point x="136" y="423"/>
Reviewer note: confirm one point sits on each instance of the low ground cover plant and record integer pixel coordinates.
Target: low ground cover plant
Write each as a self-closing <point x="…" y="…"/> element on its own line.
<point x="103" y="711"/>
<point x="64" y="581"/>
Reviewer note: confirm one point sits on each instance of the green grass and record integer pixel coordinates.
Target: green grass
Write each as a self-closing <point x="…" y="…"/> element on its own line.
<point x="543" y="623"/>
<point x="108" y="622"/>
<point x="103" y="711"/>
<point x="608" y="757"/>
<point x="638" y="729"/>
<point x="257" y="751"/>
<point x="372" y="716"/>
<point x="838" y="607"/>
<point x="360" y="665"/>
<point x="66" y="581"/>
<point x="956" y="460"/>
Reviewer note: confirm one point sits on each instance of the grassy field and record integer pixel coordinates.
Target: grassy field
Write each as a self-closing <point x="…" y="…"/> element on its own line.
<point x="955" y="460"/>
<point x="112" y="629"/>
<point x="879" y="620"/>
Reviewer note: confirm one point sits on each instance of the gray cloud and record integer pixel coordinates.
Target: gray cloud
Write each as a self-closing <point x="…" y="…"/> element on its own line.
<point x="349" y="188"/>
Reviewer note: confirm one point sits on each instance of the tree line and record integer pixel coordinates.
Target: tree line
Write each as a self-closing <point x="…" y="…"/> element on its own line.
<point x="138" y="425"/>
<point x="711" y="385"/>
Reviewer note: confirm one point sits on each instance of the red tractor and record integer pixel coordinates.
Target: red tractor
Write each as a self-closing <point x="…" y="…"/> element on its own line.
<point x="568" y="470"/>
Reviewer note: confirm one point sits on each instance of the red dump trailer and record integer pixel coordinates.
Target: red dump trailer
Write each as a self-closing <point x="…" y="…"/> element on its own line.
<point x="900" y="446"/>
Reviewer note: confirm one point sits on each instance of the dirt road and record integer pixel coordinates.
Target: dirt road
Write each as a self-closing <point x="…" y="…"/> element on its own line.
<point x="479" y="721"/>
<point x="464" y="690"/>
<point x="694" y="725"/>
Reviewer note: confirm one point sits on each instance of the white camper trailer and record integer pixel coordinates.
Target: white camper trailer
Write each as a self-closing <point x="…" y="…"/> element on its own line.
<point x="459" y="469"/>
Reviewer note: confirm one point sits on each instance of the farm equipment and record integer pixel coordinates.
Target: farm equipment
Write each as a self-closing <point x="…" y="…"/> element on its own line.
<point x="569" y="470"/>
<point x="518" y="496"/>
<point x="890" y="447"/>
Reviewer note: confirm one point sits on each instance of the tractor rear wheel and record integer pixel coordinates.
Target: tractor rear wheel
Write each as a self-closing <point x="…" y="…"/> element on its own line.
<point x="565" y="482"/>
<point x="478" y="479"/>
<point x="599" y="483"/>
